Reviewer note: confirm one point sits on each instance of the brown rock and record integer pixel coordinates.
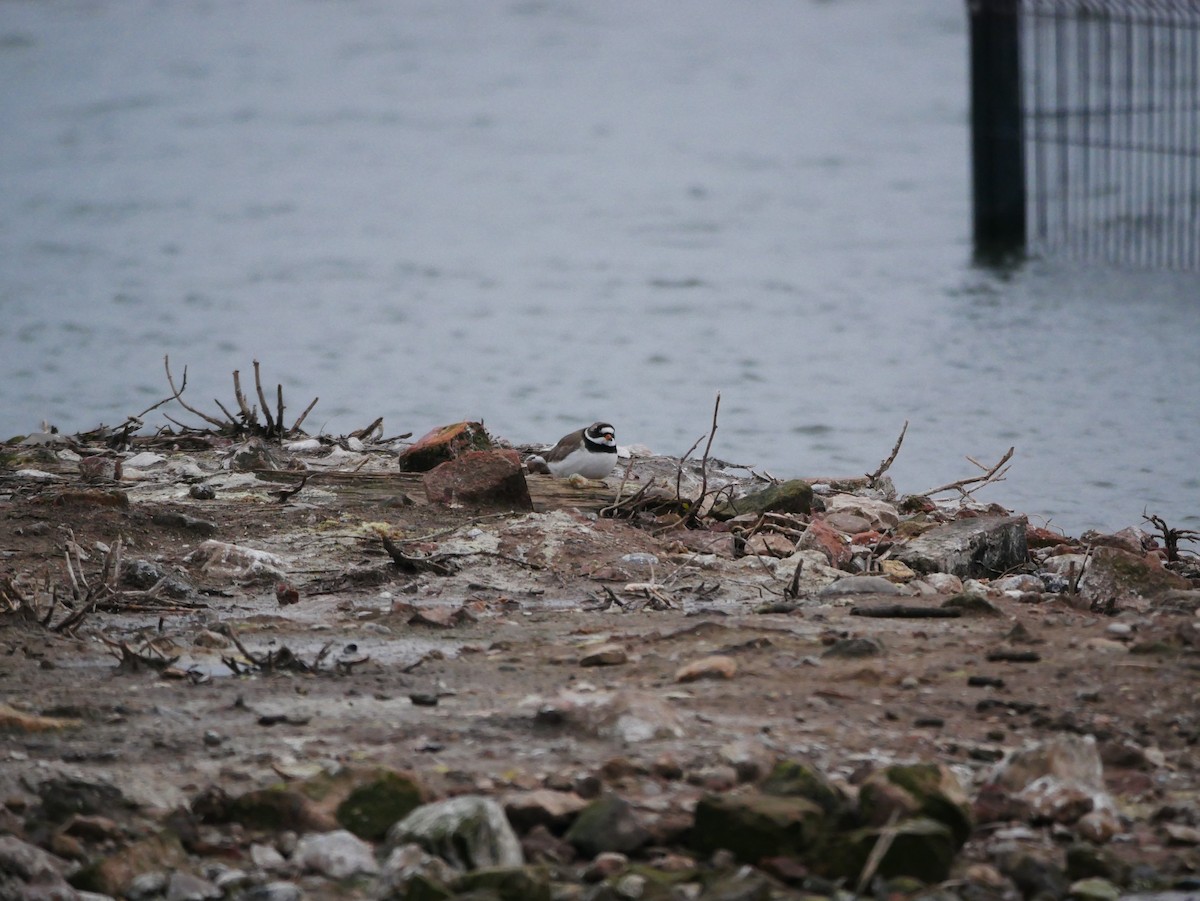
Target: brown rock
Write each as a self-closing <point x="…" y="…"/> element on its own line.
<point x="611" y="654"/>
<point x="770" y="544"/>
<point x="492" y="478"/>
<point x="821" y="536"/>
<point x="1113" y="576"/>
<point x="718" y="666"/>
<point x="444" y="443"/>
<point x="542" y="807"/>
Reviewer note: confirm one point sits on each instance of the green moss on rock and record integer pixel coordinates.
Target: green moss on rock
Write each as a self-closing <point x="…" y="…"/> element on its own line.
<point x="374" y="805"/>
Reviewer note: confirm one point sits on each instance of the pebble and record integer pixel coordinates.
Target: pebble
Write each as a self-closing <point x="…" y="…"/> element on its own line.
<point x="718" y="666"/>
<point x="267" y="857"/>
<point x="610" y="654"/>
<point x="338" y="855"/>
<point x="640" y="560"/>
<point x="274" y="891"/>
<point x="186" y="887"/>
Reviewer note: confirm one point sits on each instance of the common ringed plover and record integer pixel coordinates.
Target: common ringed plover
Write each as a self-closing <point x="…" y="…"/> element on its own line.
<point x="590" y="453"/>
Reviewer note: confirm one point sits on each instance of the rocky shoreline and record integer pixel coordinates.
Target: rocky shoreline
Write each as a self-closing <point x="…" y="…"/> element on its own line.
<point x="275" y="669"/>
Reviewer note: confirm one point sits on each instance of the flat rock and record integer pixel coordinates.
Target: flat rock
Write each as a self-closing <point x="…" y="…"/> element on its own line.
<point x="480" y="478"/>
<point x="717" y="666"/>
<point x="468" y="832"/>
<point x="793" y="496"/>
<point x="976" y="547"/>
<point x="444" y="443"/>
<point x="861" y="585"/>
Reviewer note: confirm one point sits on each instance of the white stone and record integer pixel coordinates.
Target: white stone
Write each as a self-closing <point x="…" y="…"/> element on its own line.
<point x="338" y="855"/>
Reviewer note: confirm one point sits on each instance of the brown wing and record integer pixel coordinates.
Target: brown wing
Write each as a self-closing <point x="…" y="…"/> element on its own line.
<point x="565" y="445"/>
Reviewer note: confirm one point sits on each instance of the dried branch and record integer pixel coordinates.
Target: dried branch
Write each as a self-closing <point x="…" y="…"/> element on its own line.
<point x="993" y="474"/>
<point x="178" y="392"/>
<point x="249" y="417"/>
<point x="1171" y="537"/>
<point x="296" y="425"/>
<point x="890" y="459"/>
<point x="262" y="399"/>
<point x="408" y="563"/>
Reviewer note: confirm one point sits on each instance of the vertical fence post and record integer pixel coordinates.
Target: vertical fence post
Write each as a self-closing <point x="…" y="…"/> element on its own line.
<point x="997" y="136"/>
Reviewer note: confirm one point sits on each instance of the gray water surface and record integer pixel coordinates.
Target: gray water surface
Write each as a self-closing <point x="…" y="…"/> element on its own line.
<point x="545" y="213"/>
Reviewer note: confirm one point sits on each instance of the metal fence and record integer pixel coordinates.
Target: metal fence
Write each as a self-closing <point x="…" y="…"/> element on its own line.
<point x="1105" y="140"/>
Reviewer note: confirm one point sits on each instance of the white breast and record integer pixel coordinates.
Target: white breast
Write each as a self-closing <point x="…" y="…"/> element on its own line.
<point x="588" y="464"/>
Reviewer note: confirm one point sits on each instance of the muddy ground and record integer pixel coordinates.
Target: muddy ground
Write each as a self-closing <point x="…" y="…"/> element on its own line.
<point x="445" y="674"/>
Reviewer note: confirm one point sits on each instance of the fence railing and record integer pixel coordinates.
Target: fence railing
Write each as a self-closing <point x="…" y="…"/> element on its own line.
<point x="1086" y="129"/>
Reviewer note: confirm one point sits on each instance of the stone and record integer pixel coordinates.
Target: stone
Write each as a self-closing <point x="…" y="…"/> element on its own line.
<point x="267" y="857"/>
<point x="1094" y="889"/>
<point x="378" y="801"/>
<point x="752" y="825"/>
<point x="717" y="666"/>
<point x="975" y="547"/>
<point x="145" y="574"/>
<point x="971" y="604"/>
<point x="444" y="443"/>
<point x="944" y="583"/>
<point x="607" y="824"/>
<point x="337" y="855"/>
<point x="252" y="455"/>
<point x="273" y="891"/>
<point x="605" y="865"/>
<point x="854" y="648"/>
<point x="928" y="790"/>
<point x="820" y="536"/>
<point x="23" y="866"/>
<point x="219" y="559"/>
<point x="744" y="884"/>
<point x="850" y="523"/>
<point x="492" y="479"/>
<point x="626" y="716"/>
<point x="111" y="875"/>
<point x="63" y="798"/>
<point x="791" y="778"/>
<point x="1115" y="576"/>
<point x="1034" y="876"/>
<point x="506" y="883"/>
<point x="410" y="872"/>
<point x="542" y="807"/>
<point x="467" y="832"/>
<point x="880" y="515"/>
<point x="920" y="848"/>
<point x="1058" y="780"/>
<point x="851" y="585"/>
<point x="793" y="496"/>
<point x="608" y="654"/>
<point x="275" y="809"/>
<point x="895" y="571"/>
<point x="770" y="544"/>
<point x="183" y="886"/>
<point x="14" y="720"/>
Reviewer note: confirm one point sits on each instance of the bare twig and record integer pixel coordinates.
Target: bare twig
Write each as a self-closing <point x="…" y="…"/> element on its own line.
<point x="994" y="474"/>
<point x="249" y="417"/>
<point x="286" y="494"/>
<point x="363" y="433"/>
<point x="890" y="459"/>
<point x="304" y="415"/>
<point x="178" y="392"/>
<point x="712" y="433"/>
<point x="262" y="399"/>
<point x="279" y="409"/>
<point x="883" y="844"/>
<point x="1171" y="537"/>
